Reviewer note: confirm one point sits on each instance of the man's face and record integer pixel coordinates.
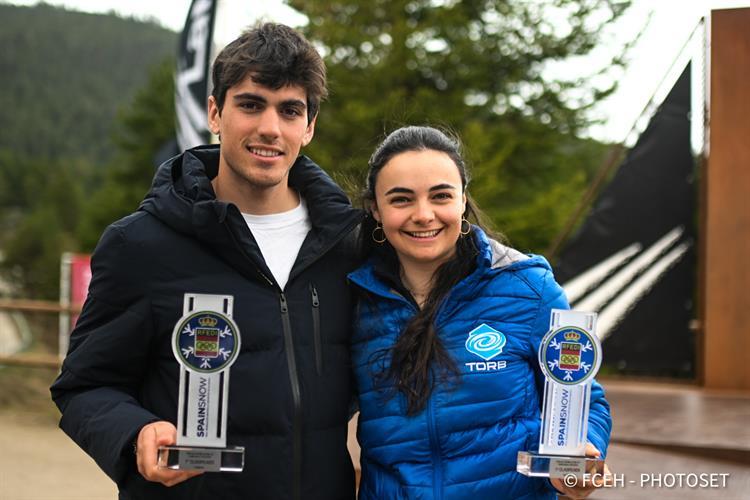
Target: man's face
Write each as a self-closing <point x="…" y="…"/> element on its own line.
<point x="262" y="131"/>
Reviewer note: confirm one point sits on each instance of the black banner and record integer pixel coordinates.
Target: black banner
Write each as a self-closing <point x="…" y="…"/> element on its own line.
<point x="633" y="259"/>
<point x="192" y="77"/>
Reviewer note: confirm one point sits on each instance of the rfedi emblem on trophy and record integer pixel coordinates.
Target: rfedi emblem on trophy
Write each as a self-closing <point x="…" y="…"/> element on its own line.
<point x="569" y="355"/>
<point x="205" y="342"/>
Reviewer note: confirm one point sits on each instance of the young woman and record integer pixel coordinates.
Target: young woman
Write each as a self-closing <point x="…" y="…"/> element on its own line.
<point x="437" y="420"/>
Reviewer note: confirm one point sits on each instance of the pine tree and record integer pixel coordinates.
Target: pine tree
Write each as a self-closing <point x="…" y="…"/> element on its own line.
<point x="474" y="67"/>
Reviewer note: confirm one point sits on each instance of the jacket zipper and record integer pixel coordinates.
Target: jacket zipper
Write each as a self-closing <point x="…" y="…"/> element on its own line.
<point x="435" y="455"/>
<point x="242" y="251"/>
<point x="316" y="330"/>
<point x="437" y="463"/>
<point x="291" y="362"/>
<point x="297" y="399"/>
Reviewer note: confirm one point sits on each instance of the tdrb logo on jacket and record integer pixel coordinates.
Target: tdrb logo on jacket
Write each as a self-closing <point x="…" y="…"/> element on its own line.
<point x="487" y="343"/>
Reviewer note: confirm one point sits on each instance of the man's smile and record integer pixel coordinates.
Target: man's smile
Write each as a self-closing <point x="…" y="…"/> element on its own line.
<point x="265" y="152"/>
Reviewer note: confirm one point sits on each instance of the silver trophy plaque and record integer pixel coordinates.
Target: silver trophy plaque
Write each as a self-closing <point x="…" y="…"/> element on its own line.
<point x="206" y="342"/>
<point x="569" y="355"/>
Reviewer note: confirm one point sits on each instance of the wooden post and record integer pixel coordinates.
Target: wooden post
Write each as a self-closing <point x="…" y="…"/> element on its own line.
<point x="726" y="243"/>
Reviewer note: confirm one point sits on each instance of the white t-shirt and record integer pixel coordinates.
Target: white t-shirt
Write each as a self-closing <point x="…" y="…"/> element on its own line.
<point x="280" y="237"/>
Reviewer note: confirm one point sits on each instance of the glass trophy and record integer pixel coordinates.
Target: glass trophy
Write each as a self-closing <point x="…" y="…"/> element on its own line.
<point x="569" y="356"/>
<point x="205" y="342"/>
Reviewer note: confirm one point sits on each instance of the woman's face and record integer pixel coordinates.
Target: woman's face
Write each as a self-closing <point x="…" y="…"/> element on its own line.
<point x="419" y="200"/>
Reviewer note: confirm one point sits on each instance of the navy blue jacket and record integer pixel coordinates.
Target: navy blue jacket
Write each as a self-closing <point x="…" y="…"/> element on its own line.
<point x="464" y="444"/>
<point x="290" y="386"/>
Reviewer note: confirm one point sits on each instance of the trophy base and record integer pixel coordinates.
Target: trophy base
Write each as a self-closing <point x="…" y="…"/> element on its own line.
<point x="203" y="459"/>
<point x="556" y="466"/>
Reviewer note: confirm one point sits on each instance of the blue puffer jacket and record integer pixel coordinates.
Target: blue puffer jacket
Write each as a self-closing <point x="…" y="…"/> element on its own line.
<point x="464" y="444"/>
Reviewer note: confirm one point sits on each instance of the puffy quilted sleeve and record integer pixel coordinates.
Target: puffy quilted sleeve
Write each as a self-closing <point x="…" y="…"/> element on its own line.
<point x="97" y="389"/>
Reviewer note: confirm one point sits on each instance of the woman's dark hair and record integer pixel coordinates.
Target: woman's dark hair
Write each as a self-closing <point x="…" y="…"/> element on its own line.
<point x="418" y="360"/>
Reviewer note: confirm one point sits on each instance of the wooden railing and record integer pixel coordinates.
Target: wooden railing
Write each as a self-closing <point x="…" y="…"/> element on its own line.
<point x="39" y="306"/>
<point x="36" y="306"/>
<point x="33" y="361"/>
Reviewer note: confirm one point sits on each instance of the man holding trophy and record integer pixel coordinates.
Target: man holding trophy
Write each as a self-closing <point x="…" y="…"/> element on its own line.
<point x="234" y="264"/>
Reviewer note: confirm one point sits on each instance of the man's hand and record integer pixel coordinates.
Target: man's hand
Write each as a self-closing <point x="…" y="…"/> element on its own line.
<point x="147" y="445"/>
<point x="581" y="488"/>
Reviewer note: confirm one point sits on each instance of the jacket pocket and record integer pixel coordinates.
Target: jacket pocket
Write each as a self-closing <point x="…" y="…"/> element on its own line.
<point x="317" y="343"/>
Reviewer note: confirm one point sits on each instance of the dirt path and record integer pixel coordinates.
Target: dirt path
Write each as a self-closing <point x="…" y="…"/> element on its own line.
<point x="39" y="462"/>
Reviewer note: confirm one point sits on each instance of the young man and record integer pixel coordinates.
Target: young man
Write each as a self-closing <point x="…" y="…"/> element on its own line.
<point x="253" y="220"/>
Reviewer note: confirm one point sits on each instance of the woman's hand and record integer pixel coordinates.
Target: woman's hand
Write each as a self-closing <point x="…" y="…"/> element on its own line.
<point x="578" y="487"/>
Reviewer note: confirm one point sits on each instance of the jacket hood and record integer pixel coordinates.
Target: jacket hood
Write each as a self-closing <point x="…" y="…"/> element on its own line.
<point x="183" y="198"/>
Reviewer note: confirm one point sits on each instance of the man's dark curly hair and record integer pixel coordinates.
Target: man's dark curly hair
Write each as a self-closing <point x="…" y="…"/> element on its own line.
<point x="275" y="56"/>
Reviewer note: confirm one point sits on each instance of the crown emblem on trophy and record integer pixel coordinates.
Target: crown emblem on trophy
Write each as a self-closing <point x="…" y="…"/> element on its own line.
<point x="207" y="321"/>
<point x="572" y="336"/>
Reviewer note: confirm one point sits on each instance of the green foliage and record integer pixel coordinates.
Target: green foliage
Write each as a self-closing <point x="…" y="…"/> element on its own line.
<point x="143" y="128"/>
<point x="475" y="67"/>
<point x="78" y="145"/>
<point x="70" y="165"/>
<point x="51" y="196"/>
<point x="66" y="73"/>
<point x="52" y="214"/>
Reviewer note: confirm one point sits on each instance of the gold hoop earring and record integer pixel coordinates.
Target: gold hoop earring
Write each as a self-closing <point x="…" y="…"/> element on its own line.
<point x="468" y="227"/>
<point x="376" y="240"/>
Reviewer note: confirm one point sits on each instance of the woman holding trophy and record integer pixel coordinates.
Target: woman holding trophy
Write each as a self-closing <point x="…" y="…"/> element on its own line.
<point x="449" y="324"/>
